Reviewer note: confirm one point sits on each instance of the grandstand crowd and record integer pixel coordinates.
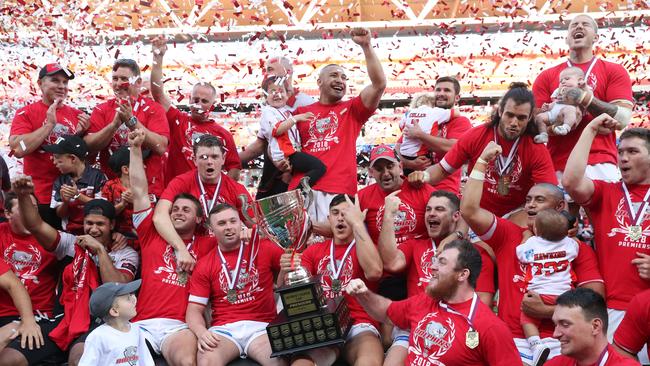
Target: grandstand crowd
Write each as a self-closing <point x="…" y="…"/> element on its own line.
<point x="128" y="239"/>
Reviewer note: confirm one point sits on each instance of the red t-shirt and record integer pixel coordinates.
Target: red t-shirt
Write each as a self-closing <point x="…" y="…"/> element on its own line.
<point x="419" y="254"/>
<point x="531" y="164"/>
<point x="112" y="192"/>
<point x="613" y="359"/>
<point x="39" y="164"/>
<point x="36" y="268"/>
<point x="609" y="82"/>
<point x="504" y="237"/>
<point x="331" y="136"/>
<point x="614" y="248"/>
<point x="486" y="281"/>
<point x="438" y="336"/>
<point x="183" y="131"/>
<point x="454" y="129"/>
<point x="152" y="116"/>
<point x="161" y="294"/>
<point x="634" y="331"/>
<point x="255" y="300"/>
<point x="409" y="222"/>
<point x="229" y="190"/>
<point x="316" y="259"/>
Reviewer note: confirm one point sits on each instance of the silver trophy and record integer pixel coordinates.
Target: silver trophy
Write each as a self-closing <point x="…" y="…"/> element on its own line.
<point x="284" y="220"/>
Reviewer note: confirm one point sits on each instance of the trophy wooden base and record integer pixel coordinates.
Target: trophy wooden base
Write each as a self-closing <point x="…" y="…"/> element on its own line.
<point x="327" y="327"/>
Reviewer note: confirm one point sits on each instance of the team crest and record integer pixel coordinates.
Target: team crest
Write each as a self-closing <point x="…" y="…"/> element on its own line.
<point x="25" y="263"/>
<point x="405" y="221"/>
<point x="431" y="339"/>
<point x="322" y="131"/>
<point x="633" y="233"/>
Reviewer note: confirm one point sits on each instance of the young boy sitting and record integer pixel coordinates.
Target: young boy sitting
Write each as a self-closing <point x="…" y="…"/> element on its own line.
<point x="279" y="128"/>
<point x="77" y="183"/>
<point x="117" y="341"/>
<point x="118" y="190"/>
<point x="546" y="258"/>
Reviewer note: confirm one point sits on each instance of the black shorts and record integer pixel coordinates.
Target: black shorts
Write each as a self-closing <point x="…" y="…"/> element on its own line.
<point x="82" y="338"/>
<point x="48" y="352"/>
<point x="393" y="287"/>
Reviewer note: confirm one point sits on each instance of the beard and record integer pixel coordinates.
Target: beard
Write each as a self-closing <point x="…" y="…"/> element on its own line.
<point x="443" y="289"/>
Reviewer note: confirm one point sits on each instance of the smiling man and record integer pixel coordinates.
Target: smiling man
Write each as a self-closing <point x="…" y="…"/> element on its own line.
<point x="607" y="89"/>
<point x="521" y="164"/>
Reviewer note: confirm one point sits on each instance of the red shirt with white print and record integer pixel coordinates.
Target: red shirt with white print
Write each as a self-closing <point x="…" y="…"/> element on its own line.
<point x="611" y="358"/>
<point x="38" y="164"/>
<point x="162" y="294"/>
<point x="229" y="190"/>
<point x="504" y="237"/>
<point x="609" y="82"/>
<point x="634" y="331"/>
<point x="455" y="129"/>
<point x="486" y="281"/>
<point x="152" y="116"/>
<point x="409" y="221"/>
<point x="419" y="255"/>
<point x="331" y="136"/>
<point x="439" y="336"/>
<point x="183" y="131"/>
<point x="36" y="268"/>
<point x="316" y="259"/>
<point x="254" y="284"/>
<point x="615" y="241"/>
<point x="531" y="164"/>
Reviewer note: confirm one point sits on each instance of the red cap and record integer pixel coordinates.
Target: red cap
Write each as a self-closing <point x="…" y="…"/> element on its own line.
<point x="51" y="69"/>
<point x="382" y="151"/>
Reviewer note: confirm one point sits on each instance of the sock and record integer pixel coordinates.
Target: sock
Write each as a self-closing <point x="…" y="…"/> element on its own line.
<point x="534" y="341"/>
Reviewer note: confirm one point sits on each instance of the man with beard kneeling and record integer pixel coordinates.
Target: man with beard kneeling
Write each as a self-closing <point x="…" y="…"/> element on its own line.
<point x="449" y="324"/>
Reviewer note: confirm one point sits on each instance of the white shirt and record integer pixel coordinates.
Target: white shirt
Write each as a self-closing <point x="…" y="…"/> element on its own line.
<point x="107" y="346"/>
<point x="547" y="264"/>
<point x="271" y="117"/>
<point x="429" y="119"/>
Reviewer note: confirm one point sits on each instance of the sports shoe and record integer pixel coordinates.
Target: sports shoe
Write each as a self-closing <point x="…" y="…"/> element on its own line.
<point x="540" y="354"/>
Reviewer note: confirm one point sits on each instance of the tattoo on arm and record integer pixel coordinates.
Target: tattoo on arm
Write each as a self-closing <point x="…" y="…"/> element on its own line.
<point x="598" y="107"/>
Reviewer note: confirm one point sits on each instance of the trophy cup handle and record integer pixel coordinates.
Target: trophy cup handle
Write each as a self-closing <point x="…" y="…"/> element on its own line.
<point x="248" y="220"/>
<point x="306" y="190"/>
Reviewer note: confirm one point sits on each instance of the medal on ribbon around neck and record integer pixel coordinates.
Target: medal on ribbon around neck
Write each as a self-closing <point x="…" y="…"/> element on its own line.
<point x="634" y="232"/>
<point x="181" y="277"/>
<point x="336" y="286"/>
<point x="503" y="185"/>
<point x="471" y="339"/>
<point x="231" y="296"/>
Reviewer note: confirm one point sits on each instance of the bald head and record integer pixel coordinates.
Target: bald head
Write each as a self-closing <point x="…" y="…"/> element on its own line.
<point x="552" y="190"/>
<point x="328" y="68"/>
<point x="583" y="17"/>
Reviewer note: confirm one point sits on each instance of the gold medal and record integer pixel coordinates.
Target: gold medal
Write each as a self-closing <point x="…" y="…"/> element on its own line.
<point x="182" y="277"/>
<point x="336" y="286"/>
<point x="634" y="232"/>
<point x="503" y="185"/>
<point x="471" y="339"/>
<point x="231" y="296"/>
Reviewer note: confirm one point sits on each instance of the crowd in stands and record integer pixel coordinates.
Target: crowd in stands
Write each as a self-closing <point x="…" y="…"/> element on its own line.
<point x="521" y="240"/>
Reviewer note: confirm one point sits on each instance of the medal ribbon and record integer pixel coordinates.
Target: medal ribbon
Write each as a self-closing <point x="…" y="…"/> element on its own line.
<point x="591" y="66"/>
<point x="207" y="209"/>
<point x="336" y="272"/>
<point x="636" y="219"/>
<point x="501" y="165"/>
<point x="472" y="311"/>
<point x="602" y="360"/>
<point x="232" y="282"/>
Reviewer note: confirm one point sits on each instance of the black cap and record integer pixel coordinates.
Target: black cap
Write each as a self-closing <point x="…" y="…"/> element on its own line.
<point x="121" y="157"/>
<point x="51" y="69"/>
<point x="68" y="144"/>
<point x="102" y="298"/>
<point x="100" y="207"/>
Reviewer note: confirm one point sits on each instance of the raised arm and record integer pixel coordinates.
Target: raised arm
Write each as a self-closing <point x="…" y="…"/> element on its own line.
<point x="369" y="258"/>
<point x="27" y="143"/>
<point x="392" y="258"/>
<point x="28" y="330"/>
<point x="432" y="175"/>
<point x="477" y="218"/>
<point x="253" y="150"/>
<point x="375" y="305"/>
<point x="155" y="142"/>
<point x="370" y="95"/>
<point x="137" y="175"/>
<point x="158" y="49"/>
<point x="620" y="110"/>
<point x="45" y="234"/>
<point x="574" y="181"/>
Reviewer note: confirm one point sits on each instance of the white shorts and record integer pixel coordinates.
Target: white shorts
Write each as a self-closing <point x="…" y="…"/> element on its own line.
<point x="526" y="353"/>
<point x="615" y="319"/>
<point x="361" y="328"/>
<point x="157" y="330"/>
<point x="319" y="208"/>
<point x="241" y="333"/>
<point x="400" y="337"/>
<point x="607" y="172"/>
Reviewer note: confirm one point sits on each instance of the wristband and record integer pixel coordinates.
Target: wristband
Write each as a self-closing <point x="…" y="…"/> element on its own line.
<point x="481" y="161"/>
<point x="427" y="176"/>
<point x="582" y="97"/>
<point x="591" y="99"/>
<point x="477" y="175"/>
